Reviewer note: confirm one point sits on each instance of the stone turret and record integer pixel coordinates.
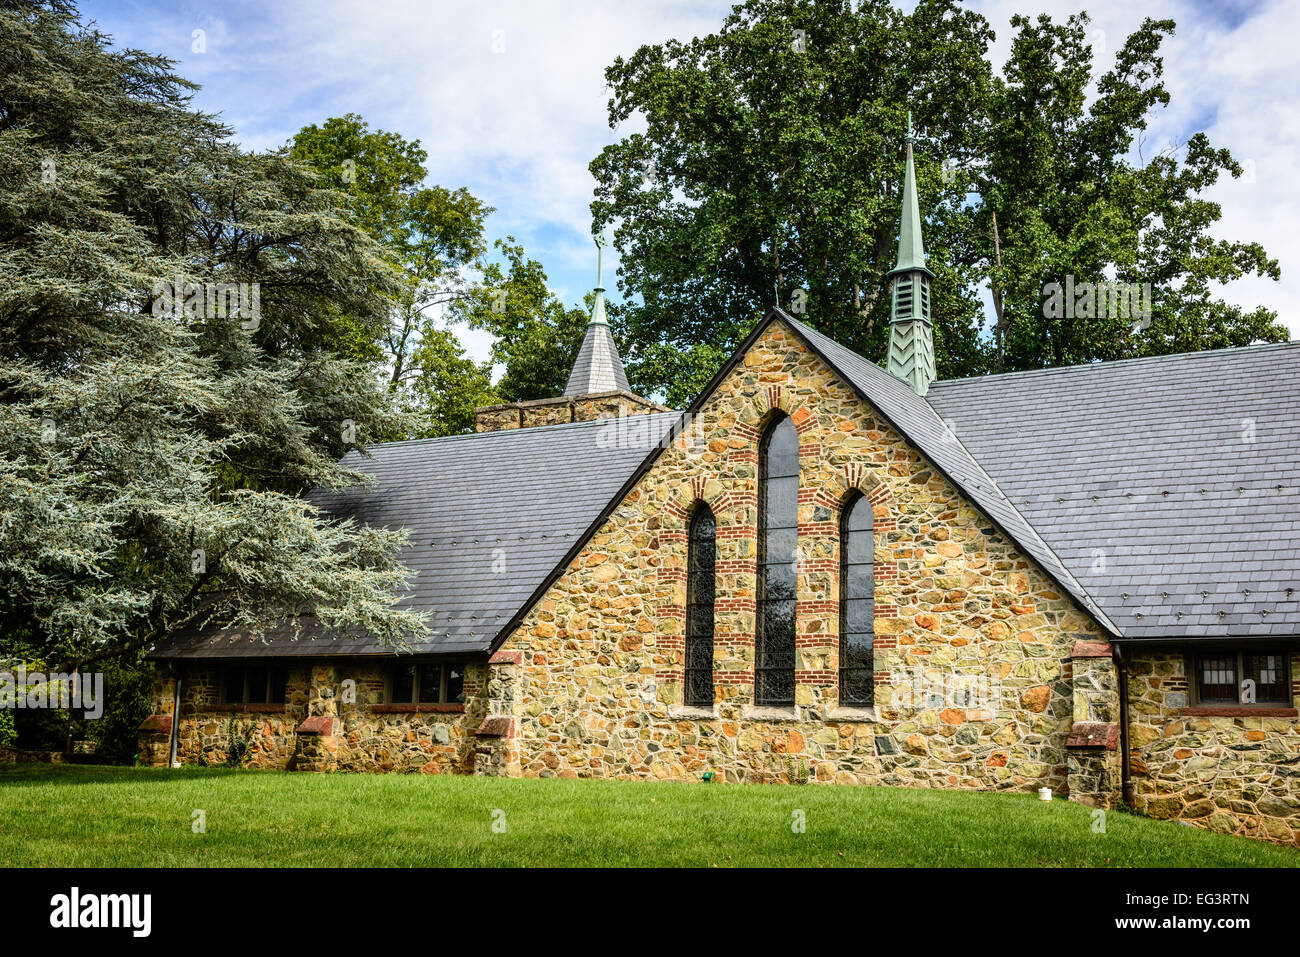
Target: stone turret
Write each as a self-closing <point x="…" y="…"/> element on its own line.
<point x="597" y="387"/>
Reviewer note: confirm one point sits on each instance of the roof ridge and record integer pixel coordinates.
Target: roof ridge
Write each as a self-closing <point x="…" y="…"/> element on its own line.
<point x="530" y="430"/>
<point x="1111" y="363"/>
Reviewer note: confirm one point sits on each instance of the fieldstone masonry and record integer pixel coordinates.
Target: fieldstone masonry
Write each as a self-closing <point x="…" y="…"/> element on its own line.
<point x="987" y="675"/>
<point x="1093" y="745"/>
<point x="1234" y="773"/>
<point x="956" y="605"/>
<point x="582" y="408"/>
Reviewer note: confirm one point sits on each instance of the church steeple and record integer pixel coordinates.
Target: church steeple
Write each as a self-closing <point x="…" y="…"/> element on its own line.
<point x="598" y="367"/>
<point x="911" y="344"/>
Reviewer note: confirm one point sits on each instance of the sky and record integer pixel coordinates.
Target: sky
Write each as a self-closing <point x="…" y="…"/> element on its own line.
<point x="509" y="100"/>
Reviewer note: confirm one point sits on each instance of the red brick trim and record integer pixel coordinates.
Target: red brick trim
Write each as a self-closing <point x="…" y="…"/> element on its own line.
<point x="420" y="708"/>
<point x="496" y="726"/>
<point x="236" y="708"/>
<point x="774" y="397"/>
<point x="319" y="724"/>
<point x="156" y="724"/>
<point x="1091" y="649"/>
<point x="1238" y="711"/>
<point x="1093" y="735"/>
<point x="504" y="657"/>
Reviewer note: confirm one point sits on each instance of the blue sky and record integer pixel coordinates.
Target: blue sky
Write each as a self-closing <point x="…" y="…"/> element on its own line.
<point x="508" y="96"/>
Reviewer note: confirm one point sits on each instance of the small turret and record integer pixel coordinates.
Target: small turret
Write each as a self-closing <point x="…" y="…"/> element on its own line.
<point x="597" y="387"/>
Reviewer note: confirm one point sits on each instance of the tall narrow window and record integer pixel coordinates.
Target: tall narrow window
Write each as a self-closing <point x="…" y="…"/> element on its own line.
<point x="699" y="608"/>
<point x="857" y="604"/>
<point x="778" y="528"/>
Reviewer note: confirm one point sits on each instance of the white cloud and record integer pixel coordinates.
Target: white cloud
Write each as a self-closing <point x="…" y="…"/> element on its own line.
<point x="520" y="127"/>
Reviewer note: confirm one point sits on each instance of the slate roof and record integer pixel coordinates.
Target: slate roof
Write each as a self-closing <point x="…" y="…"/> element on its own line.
<point x="1140" y="475"/>
<point x="525" y="496"/>
<point x="598" y="367"/>
<point x="1067" y="462"/>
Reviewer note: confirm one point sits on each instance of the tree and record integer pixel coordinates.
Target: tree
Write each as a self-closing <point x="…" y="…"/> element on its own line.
<point x="771" y="164"/>
<point x="155" y="439"/>
<point x="1058" y="198"/>
<point x="434" y="237"/>
<point x="447" y="387"/>
<point x="536" y="337"/>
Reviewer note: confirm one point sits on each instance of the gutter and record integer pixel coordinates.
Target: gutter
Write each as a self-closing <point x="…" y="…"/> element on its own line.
<point x="1125" y="771"/>
<point x="176" y="722"/>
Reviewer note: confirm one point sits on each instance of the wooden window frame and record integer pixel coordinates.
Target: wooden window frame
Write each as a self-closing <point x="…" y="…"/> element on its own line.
<point x="1238" y="653"/>
<point x="273" y="688"/>
<point x="415" y="704"/>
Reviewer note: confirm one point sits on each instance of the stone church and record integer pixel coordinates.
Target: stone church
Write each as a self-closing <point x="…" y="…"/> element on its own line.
<point x="1078" y="578"/>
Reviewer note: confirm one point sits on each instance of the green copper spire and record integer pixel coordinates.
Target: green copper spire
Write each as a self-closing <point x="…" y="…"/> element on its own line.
<point x="911" y="249"/>
<point x="598" y="307"/>
<point x="911" y="345"/>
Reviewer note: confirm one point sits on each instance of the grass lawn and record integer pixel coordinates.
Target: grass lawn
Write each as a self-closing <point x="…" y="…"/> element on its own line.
<point x="84" y="816"/>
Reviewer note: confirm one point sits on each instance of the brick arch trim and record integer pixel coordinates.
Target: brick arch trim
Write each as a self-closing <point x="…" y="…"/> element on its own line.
<point x="858" y="477"/>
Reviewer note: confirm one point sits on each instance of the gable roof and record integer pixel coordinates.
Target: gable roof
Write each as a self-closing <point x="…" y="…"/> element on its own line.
<point x="1170" y="486"/>
<point x="917" y="420"/>
<point x="521" y="497"/>
<point x="919" y="423"/>
<point x="1032" y="450"/>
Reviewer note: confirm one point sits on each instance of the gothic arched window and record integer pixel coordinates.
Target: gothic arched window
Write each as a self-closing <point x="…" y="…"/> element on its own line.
<point x="778" y="529"/>
<point x="701" y="550"/>
<point x="857" y="604"/>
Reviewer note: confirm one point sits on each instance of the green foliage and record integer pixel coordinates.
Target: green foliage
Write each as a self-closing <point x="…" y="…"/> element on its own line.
<point x="151" y="465"/>
<point x="447" y="386"/>
<point x="796" y="770"/>
<point x="537" y="337"/>
<point x="8" y="736"/>
<point x="128" y="699"/>
<point x="240" y="734"/>
<point x="1068" y="201"/>
<point x="434" y="237"/>
<point x="765" y="169"/>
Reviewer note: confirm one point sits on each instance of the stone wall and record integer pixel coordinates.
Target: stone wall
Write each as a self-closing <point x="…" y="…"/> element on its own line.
<point x="359" y="735"/>
<point x="1234" y="773"/>
<point x="583" y="408"/>
<point x="601" y="654"/>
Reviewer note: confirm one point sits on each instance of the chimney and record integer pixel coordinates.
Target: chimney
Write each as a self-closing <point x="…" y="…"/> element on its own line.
<point x="597" y="387"/>
<point x="911" y="343"/>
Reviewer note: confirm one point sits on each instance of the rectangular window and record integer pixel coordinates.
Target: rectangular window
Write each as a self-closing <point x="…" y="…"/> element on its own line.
<point x="427" y="682"/>
<point x="257" y="684"/>
<point x="1242" y="678"/>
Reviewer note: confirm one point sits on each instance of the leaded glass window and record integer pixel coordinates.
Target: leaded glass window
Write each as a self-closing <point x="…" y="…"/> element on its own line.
<point x="857" y="604"/>
<point x="702" y="549"/>
<point x="778" y="528"/>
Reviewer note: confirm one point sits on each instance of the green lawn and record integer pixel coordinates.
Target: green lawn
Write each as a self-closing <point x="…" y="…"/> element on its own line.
<point x="99" y="816"/>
